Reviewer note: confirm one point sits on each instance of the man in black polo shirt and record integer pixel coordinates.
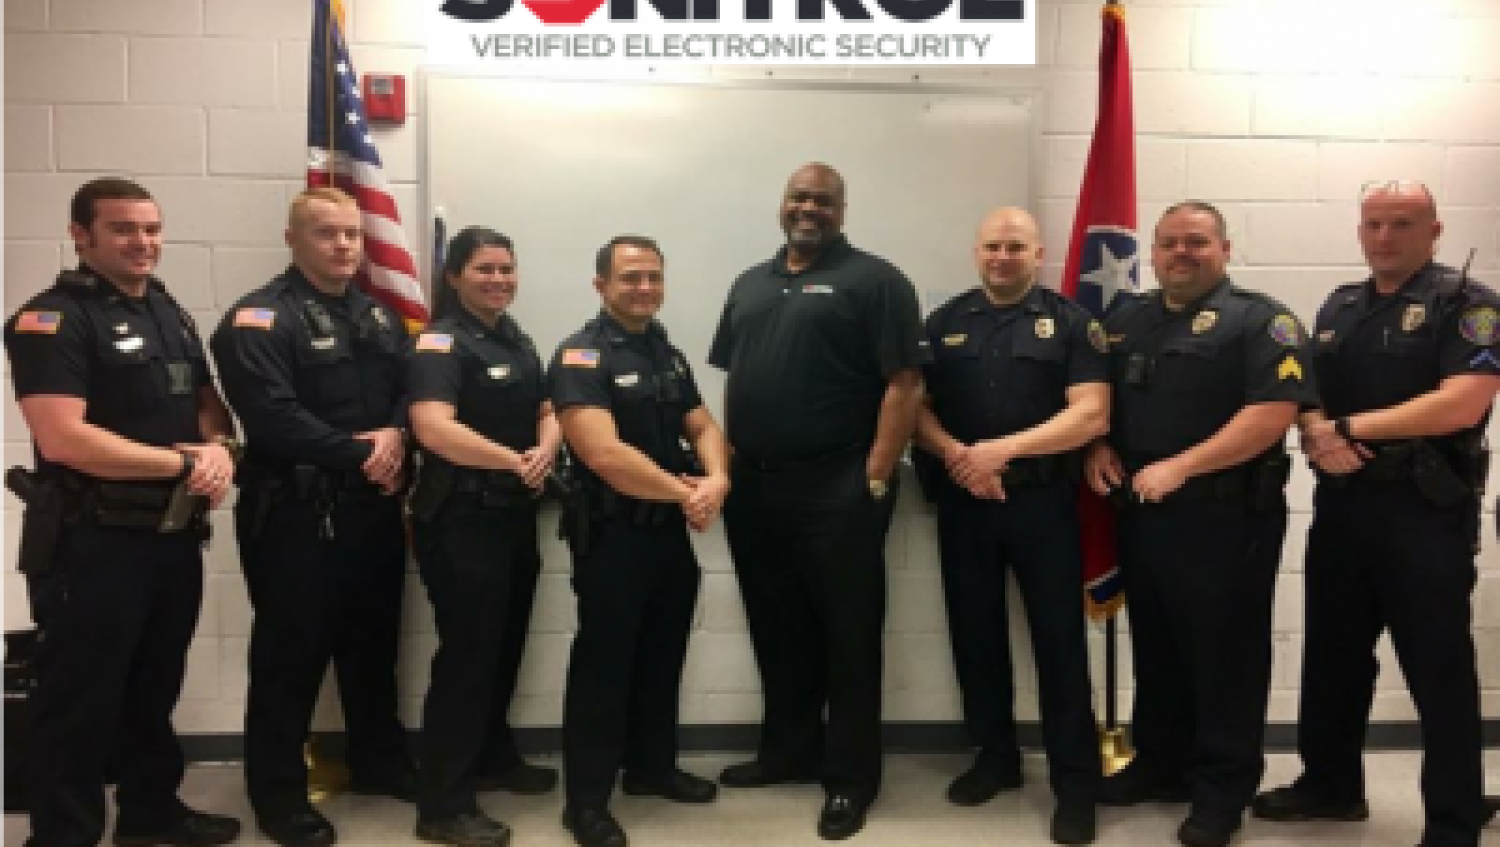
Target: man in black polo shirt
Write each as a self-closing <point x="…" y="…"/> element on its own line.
<point x="1018" y="382"/>
<point x="823" y="345"/>
<point x="627" y="403"/>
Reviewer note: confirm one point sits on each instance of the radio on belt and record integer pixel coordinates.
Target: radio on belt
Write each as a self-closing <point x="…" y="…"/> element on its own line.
<point x="385" y="97"/>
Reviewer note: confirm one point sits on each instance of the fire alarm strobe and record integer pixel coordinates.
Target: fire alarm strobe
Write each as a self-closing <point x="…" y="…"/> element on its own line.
<point x="385" y="97"/>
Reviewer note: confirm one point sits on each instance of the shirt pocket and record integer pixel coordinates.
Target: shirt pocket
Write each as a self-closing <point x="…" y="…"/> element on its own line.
<point x="1187" y="364"/>
<point x="1040" y="362"/>
<point x="134" y="376"/>
<point x="327" y="376"/>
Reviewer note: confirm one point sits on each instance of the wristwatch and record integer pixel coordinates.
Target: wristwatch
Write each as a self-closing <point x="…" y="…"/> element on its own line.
<point x="188" y="463"/>
<point x="1341" y="429"/>
<point x="879" y="488"/>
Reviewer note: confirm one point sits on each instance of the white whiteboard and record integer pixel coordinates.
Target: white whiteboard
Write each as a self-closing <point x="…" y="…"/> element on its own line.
<point x="562" y="166"/>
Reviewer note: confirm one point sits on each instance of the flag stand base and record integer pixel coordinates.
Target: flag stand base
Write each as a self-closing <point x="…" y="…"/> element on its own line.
<point x="1114" y="750"/>
<point x="327" y="776"/>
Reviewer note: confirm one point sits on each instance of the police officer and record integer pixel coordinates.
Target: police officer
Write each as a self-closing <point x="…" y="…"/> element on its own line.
<point x="314" y="368"/>
<point x="632" y="417"/>
<point x="488" y="438"/>
<point x="1206" y="378"/>
<point x="823" y="345"/>
<point x="1017" y="384"/>
<point x="115" y="389"/>
<point x="1407" y="369"/>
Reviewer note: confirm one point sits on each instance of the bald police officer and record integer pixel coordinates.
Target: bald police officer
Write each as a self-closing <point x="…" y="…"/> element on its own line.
<point x="1018" y="383"/>
<point x="115" y="389"/>
<point x="1207" y="378"/>
<point x="1407" y="368"/>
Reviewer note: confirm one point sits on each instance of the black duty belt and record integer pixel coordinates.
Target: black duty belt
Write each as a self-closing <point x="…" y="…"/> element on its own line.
<point x="495" y="489"/>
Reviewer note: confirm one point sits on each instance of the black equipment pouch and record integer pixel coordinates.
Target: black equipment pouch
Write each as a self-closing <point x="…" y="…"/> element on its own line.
<point x="42" y="520"/>
<point x="576" y="524"/>
<point x="432" y="489"/>
<point x="258" y="499"/>
<point x="1268" y="481"/>
<point x="182" y="508"/>
<point x="1435" y="478"/>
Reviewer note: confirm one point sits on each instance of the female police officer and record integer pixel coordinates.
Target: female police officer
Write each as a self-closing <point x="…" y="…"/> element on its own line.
<point x="487" y="441"/>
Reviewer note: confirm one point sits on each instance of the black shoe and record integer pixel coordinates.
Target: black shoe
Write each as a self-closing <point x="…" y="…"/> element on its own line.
<point x="1290" y="803"/>
<point x="757" y="774"/>
<point x="842" y="816"/>
<point x="979" y="785"/>
<point x="1135" y="785"/>
<point x="523" y="778"/>
<point x="1201" y="832"/>
<point x="306" y="828"/>
<point x="1074" y="823"/>
<point x="677" y="786"/>
<point x="472" y="829"/>
<point x="402" y="786"/>
<point x="594" y="828"/>
<point x="196" y="829"/>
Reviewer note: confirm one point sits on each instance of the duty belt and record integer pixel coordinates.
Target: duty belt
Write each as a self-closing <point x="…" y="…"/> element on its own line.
<point x="495" y="489"/>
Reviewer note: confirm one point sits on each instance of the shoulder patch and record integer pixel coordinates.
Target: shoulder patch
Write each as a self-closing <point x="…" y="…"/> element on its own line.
<point x="579" y="357"/>
<point x="255" y="318"/>
<point x="43" y="323"/>
<point x="1286" y="331"/>
<point x="1097" y="337"/>
<point x="434" y="342"/>
<point x="1480" y="325"/>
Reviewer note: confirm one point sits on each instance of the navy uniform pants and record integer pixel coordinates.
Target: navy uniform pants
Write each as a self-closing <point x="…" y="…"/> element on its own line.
<point x="116" y="614"/>
<point x="318" y="600"/>
<point x="480" y="567"/>
<point x="637" y="587"/>
<point x="809" y="551"/>
<point x="1033" y="534"/>
<point x="1200" y="575"/>
<point x="1381" y="558"/>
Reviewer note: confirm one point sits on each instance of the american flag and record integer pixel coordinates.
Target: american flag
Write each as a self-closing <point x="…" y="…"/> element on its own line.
<point x="341" y="153"/>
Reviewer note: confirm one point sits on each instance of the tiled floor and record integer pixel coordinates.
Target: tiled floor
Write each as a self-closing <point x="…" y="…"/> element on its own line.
<point x="911" y="812"/>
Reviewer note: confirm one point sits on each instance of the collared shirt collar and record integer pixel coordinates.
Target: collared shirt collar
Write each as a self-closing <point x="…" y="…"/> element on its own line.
<point x="834" y="250"/>
<point x="1414" y="289"/>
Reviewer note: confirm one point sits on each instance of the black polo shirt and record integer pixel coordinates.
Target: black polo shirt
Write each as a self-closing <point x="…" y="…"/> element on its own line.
<point x="810" y="354"/>
<point x="1372" y="351"/>
<point x="638" y="377"/>
<point x="1179" y="376"/>
<point x="1001" y="370"/>
<point x="492" y="377"/>
<point x="136" y="362"/>
<point x="305" y="371"/>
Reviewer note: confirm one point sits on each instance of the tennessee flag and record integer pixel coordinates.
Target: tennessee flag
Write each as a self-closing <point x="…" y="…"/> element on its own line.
<point x="1102" y="261"/>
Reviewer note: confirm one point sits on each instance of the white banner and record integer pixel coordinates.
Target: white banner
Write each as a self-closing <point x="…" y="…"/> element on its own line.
<point x="803" y="32"/>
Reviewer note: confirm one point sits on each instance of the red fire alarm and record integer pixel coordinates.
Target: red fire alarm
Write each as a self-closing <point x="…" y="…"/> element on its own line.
<point x="385" y="97"/>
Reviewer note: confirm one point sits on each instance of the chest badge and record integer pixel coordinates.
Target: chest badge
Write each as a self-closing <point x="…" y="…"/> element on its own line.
<point x="955" y="339"/>
<point x="627" y="380"/>
<point x="380" y="319"/>
<point x="1204" y="321"/>
<point x="499" y="371"/>
<point x="1413" y="318"/>
<point x="1045" y="327"/>
<point x="122" y="329"/>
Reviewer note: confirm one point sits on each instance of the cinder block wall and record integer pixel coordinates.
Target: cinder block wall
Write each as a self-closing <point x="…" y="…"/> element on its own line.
<point x="1276" y="110"/>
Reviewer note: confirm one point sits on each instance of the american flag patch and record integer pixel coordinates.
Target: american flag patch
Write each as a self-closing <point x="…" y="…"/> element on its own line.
<point x="437" y="342"/>
<point x="577" y="357"/>
<point x="43" y="322"/>
<point x="256" y="318"/>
